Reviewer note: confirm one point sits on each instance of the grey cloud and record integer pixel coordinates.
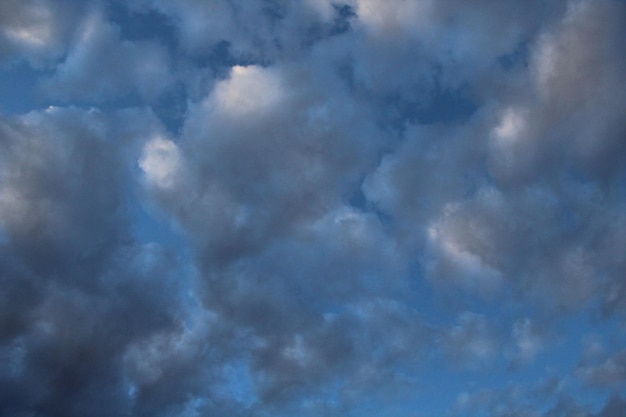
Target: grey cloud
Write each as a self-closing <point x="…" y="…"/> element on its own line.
<point x="101" y="66"/>
<point x="292" y="161"/>
<point x="472" y="342"/>
<point x="517" y="401"/>
<point x="39" y="188"/>
<point x="311" y="210"/>
<point x="514" y="244"/>
<point x="428" y="45"/>
<point x="36" y="31"/>
<point x="78" y="291"/>
<point x="547" y="398"/>
<point x="611" y="372"/>
<point x="508" y="401"/>
<point x="614" y="407"/>
<point x="515" y="195"/>
<point x="573" y="118"/>
<point x="481" y="232"/>
<point x="282" y="253"/>
<point x="257" y="31"/>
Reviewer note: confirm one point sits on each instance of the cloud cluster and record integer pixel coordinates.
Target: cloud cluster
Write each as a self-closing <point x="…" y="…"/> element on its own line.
<point x="76" y="290"/>
<point x="326" y="208"/>
<point x="100" y="66"/>
<point x="524" y="192"/>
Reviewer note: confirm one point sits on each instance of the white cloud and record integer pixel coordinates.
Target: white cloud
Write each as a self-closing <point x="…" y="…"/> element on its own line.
<point x="510" y="128"/>
<point x="392" y="18"/>
<point x="249" y="91"/>
<point x="161" y="162"/>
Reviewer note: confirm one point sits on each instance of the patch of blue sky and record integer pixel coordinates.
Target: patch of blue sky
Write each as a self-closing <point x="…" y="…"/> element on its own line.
<point x="238" y="383"/>
<point x="138" y="24"/>
<point x="340" y="24"/>
<point x="19" y="88"/>
<point x="517" y="58"/>
<point x="439" y="105"/>
<point x="149" y="225"/>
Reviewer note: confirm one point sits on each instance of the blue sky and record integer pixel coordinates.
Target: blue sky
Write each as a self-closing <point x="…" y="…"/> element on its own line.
<point x="263" y="208"/>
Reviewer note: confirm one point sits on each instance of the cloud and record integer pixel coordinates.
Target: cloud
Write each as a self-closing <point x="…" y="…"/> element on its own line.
<point x="289" y="163"/>
<point x="79" y="292"/>
<point x="611" y="372"/>
<point x="283" y="255"/>
<point x="36" y="31"/>
<point x="161" y="162"/>
<point x="528" y="341"/>
<point x="323" y="208"/>
<point x="102" y="66"/>
<point x="510" y="195"/>
<point x="516" y="400"/>
<point x="257" y="31"/>
<point x="472" y="342"/>
<point x="572" y="74"/>
<point x="614" y="407"/>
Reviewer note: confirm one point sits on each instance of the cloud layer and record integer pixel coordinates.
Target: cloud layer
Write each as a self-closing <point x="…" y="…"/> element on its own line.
<point x="263" y="208"/>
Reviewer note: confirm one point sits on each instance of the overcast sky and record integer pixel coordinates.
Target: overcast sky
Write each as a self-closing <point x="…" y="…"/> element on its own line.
<point x="281" y="208"/>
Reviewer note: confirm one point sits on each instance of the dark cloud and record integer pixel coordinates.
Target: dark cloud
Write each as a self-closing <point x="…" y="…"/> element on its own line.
<point x="77" y="291"/>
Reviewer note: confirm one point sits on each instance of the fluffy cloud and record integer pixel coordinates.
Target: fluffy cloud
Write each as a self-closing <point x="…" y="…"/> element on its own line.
<point x="515" y="193"/>
<point x="323" y="208"/>
<point x="101" y="66"/>
<point x="80" y="295"/>
<point x="284" y="256"/>
<point x="35" y="31"/>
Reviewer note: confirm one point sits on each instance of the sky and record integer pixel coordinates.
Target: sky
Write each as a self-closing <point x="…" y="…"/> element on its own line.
<point x="279" y="208"/>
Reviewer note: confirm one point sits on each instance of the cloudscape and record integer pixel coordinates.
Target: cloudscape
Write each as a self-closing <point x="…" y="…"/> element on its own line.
<point x="278" y="208"/>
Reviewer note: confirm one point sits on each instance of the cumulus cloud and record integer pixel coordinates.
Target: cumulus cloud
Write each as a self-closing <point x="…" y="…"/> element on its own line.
<point x="72" y="274"/>
<point x="36" y="31"/>
<point x="100" y="66"/>
<point x="322" y="208"/>
<point x="509" y="196"/>
<point x="284" y="256"/>
<point x="161" y="162"/>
